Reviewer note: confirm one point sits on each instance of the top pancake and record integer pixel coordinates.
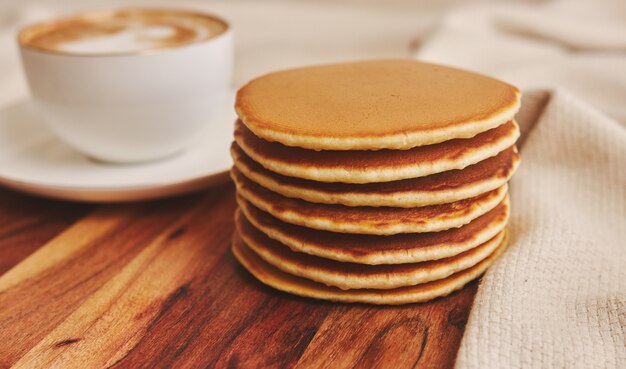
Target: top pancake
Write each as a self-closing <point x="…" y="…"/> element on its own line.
<point x="371" y="105"/>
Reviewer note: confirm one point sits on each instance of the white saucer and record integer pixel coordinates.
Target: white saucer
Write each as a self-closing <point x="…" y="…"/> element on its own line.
<point x="33" y="160"/>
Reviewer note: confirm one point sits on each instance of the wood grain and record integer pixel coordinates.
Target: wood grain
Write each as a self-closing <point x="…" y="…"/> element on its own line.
<point x="154" y="285"/>
<point x="26" y="223"/>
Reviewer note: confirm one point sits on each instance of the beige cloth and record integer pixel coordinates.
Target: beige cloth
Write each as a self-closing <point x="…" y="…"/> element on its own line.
<point x="557" y="297"/>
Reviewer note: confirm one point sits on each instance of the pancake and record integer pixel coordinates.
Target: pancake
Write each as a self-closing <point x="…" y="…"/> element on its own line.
<point x="282" y="281"/>
<point x="375" y="166"/>
<point x="373" y="249"/>
<point x="356" y="276"/>
<point x="440" y="188"/>
<point x="381" y="104"/>
<point x="363" y="219"/>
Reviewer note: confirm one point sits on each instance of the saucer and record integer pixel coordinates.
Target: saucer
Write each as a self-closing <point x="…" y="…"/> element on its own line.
<point x="35" y="161"/>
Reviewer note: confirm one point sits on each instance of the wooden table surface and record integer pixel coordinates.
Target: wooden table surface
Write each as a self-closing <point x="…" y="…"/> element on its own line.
<point x="154" y="285"/>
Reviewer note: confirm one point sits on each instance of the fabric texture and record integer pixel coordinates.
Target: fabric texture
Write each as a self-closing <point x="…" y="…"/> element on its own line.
<point x="557" y="296"/>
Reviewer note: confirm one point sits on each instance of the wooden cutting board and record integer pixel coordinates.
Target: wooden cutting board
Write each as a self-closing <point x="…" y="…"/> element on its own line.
<point x="154" y="285"/>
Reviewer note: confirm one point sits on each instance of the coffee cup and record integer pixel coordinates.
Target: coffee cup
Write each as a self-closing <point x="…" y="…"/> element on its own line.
<point x="129" y="85"/>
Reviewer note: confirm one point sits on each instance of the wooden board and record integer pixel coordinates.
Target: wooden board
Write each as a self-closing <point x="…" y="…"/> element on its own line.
<point x="154" y="285"/>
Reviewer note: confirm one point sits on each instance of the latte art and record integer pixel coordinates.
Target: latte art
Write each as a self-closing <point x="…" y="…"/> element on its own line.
<point x="124" y="31"/>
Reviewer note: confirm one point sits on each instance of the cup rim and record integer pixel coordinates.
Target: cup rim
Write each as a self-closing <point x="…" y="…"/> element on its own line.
<point x="100" y="13"/>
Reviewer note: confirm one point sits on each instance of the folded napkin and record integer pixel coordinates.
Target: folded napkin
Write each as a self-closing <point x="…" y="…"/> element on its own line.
<point x="557" y="297"/>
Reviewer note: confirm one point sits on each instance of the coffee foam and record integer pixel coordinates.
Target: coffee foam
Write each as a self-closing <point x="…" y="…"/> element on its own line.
<point x="122" y="32"/>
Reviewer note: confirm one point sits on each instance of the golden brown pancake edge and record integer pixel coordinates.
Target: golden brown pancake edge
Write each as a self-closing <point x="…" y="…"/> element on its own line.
<point x="368" y="220"/>
<point x="378" y="249"/>
<point x="439" y="188"/>
<point x="285" y="282"/>
<point x="358" y="276"/>
<point x="375" y="166"/>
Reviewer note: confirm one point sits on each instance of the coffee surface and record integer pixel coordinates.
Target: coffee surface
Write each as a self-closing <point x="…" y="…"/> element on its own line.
<point x="123" y="31"/>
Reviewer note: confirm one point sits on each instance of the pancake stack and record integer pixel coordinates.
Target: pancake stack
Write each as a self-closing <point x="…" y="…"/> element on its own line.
<point x="380" y="182"/>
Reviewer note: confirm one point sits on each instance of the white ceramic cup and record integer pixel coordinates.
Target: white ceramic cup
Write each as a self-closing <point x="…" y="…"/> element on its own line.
<point x="131" y="106"/>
